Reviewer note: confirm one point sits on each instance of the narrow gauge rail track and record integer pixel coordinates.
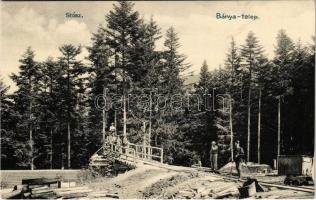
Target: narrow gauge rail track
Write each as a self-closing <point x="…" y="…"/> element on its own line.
<point x="309" y="189"/>
<point x="226" y="176"/>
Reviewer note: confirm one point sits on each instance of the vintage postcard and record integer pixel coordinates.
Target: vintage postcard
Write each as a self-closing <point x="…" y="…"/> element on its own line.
<point x="157" y="99"/>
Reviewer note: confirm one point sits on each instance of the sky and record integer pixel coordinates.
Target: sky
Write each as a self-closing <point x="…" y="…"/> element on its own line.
<point x="44" y="27"/>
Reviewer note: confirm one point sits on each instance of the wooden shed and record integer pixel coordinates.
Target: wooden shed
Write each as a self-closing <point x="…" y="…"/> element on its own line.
<point x="295" y="165"/>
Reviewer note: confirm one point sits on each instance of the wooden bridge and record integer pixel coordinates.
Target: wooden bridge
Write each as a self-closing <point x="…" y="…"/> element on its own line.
<point x="130" y="154"/>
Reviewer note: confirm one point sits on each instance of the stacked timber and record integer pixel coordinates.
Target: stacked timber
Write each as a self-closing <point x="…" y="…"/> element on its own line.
<point x="45" y="192"/>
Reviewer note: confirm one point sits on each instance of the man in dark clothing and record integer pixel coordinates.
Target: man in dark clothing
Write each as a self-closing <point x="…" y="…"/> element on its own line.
<point x="239" y="156"/>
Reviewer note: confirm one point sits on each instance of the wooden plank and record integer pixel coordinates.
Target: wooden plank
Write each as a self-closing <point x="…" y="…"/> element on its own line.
<point x="42" y="191"/>
<point x="73" y="191"/>
<point x="74" y="195"/>
<point x="40" y="188"/>
<point x="233" y="190"/>
<point x="70" y="188"/>
<point x="275" y="185"/>
<point x="98" y="194"/>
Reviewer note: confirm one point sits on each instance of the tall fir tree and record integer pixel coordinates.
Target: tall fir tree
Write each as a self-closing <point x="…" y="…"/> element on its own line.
<point x="123" y="27"/>
<point x="102" y="75"/>
<point x="26" y="104"/>
<point x="74" y="88"/>
<point x="251" y="52"/>
<point x="8" y="121"/>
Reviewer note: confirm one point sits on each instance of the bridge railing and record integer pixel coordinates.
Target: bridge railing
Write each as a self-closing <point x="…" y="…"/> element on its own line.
<point x="132" y="151"/>
<point x="125" y="152"/>
<point x="147" y="152"/>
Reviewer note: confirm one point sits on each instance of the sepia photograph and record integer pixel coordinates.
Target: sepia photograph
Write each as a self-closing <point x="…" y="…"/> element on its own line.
<point x="157" y="99"/>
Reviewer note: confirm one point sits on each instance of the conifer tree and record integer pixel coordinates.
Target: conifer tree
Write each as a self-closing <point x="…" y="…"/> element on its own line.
<point x="26" y="102"/>
<point x="102" y="74"/>
<point x="204" y="76"/>
<point x="74" y="86"/>
<point x="251" y="52"/>
<point x="123" y="27"/>
<point x="8" y="120"/>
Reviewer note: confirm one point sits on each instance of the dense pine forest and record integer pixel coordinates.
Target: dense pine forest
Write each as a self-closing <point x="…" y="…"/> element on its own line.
<point x="52" y="121"/>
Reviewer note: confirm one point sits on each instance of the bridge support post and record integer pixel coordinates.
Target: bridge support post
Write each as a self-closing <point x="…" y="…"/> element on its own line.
<point x="161" y="156"/>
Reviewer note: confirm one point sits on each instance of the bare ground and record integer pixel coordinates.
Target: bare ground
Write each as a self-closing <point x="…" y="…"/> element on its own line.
<point x="164" y="183"/>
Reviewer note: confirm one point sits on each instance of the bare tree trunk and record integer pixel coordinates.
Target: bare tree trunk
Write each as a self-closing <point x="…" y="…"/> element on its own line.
<point x="231" y="129"/>
<point x="259" y="125"/>
<point x="68" y="120"/>
<point x="124" y="93"/>
<point x="149" y="128"/>
<point x="249" y="122"/>
<point x="150" y="118"/>
<point x="51" y="127"/>
<point x="156" y="140"/>
<point x="241" y="88"/>
<point x="249" y="111"/>
<point x="30" y="127"/>
<point x="62" y="157"/>
<point x="103" y="118"/>
<point x="51" y="147"/>
<point x="68" y="128"/>
<point x="32" y="151"/>
<point x="124" y="115"/>
<point x="115" y="123"/>
<point x="279" y="125"/>
<point x="144" y="140"/>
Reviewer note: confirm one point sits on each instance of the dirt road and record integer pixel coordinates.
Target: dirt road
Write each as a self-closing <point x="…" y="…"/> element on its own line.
<point x="154" y="182"/>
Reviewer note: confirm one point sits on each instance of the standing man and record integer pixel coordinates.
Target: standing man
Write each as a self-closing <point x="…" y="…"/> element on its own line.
<point x="214" y="155"/>
<point x="239" y="156"/>
<point x="112" y="129"/>
<point x="112" y="138"/>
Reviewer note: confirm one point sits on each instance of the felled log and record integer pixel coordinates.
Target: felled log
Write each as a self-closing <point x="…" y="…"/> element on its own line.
<point x="222" y="187"/>
<point x="40" y="188"/>
<point x="98" y="194"/>
<point x="43" y="195"/>
<point x="187" y="194"/>
<point x="228" y="192"/>
<point x="114" y="196"/>
<point x="74" y="195"/>
<point x="70" y="189"/>
<point x="67" y="184"/>
<point x="42" y="191"/>
<point x="62" y="193"/>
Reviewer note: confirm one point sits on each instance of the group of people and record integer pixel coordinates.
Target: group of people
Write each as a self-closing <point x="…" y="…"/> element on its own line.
<point x="113" y="138"/>
<point x="238" y="156"/>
